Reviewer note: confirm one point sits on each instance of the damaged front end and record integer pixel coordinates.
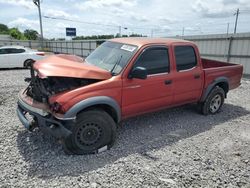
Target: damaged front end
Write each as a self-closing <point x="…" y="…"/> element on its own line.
<point x="41" y="89"/>
<point x="50" y="77"/>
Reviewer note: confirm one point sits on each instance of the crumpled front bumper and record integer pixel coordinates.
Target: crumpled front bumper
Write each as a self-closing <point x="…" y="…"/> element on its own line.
<point x="42" y="118"/>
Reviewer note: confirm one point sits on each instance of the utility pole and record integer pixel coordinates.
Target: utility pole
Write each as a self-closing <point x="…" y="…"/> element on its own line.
<point x="236" y="20"/>
<point x="183" y="31"/>
<point x="120" y="31"/>
<point x="38" y="3"/>
<point x="152" y="33"/>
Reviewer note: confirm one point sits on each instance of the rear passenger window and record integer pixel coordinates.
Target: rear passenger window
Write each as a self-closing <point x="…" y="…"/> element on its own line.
<point x="185" y="57"/>
<point x="15" y="51"/>
<point x="155" y="60"/>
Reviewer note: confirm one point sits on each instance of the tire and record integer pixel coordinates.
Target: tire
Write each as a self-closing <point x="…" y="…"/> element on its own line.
<point x="27" y="63"/>
<point x="213" y="102"/>
<point x="93" y="130"/>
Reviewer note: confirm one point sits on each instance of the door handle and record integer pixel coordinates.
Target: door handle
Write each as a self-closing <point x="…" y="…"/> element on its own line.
<point x="197" y="76"/>
<point x="167" y="82"/>
<point x="134" y="86"/>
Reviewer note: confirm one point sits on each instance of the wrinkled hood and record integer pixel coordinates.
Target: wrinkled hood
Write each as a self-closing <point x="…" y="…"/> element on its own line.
<point x="69" y="66"/>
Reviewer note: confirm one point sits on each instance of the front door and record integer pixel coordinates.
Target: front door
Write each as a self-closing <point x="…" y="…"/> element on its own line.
<point x="155" y="92"/>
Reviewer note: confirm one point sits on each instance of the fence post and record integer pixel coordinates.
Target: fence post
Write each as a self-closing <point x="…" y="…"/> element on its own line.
<point x="229" y="48"/>
<point x="81" y="49"/>
<point x="89" y="47"/>
<point x="61" y="47"/>
<point x="73" y="46"/>
<point x="29" y="44"/>
<point x="67" y="47"/>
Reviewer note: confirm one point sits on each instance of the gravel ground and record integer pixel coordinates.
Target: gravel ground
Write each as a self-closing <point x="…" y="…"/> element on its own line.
<point x="172" y="148"/>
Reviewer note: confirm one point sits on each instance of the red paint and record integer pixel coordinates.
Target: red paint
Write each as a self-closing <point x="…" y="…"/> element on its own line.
<point x="137" y="96"/>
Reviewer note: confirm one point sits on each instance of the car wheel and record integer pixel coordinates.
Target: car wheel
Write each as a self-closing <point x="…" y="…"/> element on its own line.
<point x="93" y="132"/>
<point x="213" y="102"/>
<point x="27" y="63"/>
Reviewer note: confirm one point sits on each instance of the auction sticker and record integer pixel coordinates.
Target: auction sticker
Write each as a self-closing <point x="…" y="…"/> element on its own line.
<point x="128" y="48"/>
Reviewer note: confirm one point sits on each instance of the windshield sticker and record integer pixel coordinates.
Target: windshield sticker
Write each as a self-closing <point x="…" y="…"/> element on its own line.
<point x="128" y="48"/>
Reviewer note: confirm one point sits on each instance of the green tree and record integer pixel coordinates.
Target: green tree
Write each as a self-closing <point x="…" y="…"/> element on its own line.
<point x="30" y="34"/>
<point x="4" y="29"/>
<point x="15" y="33"/>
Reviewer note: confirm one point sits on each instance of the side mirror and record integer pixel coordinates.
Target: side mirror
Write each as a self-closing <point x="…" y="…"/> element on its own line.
<point x="138" y="72"/>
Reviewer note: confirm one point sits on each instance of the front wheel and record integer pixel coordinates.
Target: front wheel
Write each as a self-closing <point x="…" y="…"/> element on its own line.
<point x="93" y="132"/>
<point x="213" y="102"/>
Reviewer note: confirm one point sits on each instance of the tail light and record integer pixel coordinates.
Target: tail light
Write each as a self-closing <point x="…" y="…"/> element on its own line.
<point x="40" y="53"/>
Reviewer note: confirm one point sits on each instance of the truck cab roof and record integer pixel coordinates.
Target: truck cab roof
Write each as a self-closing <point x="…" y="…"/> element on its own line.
<point x="141" y="41"/>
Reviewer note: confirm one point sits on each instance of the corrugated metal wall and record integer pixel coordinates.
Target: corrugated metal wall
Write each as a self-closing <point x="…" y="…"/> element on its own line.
<point x="34" y="44"/>
<point x="223" y="47"/>
<point x="79" y="47"/>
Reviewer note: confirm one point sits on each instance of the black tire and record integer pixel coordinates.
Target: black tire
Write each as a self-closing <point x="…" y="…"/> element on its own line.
<point x="94" y="129"/>
<point x="213" y="102"/>
<point x="27" y="63"/>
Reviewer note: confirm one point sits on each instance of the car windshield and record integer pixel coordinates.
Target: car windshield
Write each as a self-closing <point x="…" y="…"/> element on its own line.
<point x="111" y="56"/>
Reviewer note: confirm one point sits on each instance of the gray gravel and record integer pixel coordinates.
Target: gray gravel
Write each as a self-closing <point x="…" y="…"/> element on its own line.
<point x="172" y="148"/>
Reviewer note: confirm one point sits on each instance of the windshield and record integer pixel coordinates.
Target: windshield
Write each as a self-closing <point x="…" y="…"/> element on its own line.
<point x="111" y="56"/>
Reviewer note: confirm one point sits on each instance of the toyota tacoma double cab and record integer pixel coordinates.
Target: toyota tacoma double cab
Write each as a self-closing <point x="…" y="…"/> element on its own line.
<point x="81" y="101"/>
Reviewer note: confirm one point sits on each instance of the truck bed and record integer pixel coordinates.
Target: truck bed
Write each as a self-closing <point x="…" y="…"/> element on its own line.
<point x="214" y="69"/>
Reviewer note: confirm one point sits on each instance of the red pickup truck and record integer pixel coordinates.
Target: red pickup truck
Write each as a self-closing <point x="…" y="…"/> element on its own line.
<point x="81" y="101"/>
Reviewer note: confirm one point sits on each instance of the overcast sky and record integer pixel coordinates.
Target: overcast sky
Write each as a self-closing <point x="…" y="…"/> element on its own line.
<point x="162" y="17"/>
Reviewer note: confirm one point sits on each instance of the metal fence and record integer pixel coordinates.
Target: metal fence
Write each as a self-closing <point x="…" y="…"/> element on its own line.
<point x="34" y="44"/>
<point x="79" y="47"/>
<point x="223" y="47"/>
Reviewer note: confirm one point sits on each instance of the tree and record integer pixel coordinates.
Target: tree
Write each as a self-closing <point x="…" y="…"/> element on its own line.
<point x="15" y="33"/>
<point x="30" y="34"/>
<point x="4" y="29"/>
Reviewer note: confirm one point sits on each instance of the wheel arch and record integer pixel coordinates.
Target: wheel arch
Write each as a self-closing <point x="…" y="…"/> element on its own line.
<point x="222" y="82"/>
<point x="28" y="61"/>
<point x="105" y="103"/>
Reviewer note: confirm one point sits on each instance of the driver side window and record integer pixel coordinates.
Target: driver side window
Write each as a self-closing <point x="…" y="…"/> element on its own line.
<point x="155" y="60"/>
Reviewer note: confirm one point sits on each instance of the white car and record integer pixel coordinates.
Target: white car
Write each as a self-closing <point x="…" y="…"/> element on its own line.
<point x="18" y="56"/>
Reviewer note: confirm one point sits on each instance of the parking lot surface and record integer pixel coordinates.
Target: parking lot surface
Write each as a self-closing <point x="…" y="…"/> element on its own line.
<point x="172" y="148"/>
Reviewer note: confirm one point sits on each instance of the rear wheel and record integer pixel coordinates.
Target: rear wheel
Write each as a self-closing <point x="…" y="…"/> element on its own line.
<point x="27" y="63"/>
<point x="213" y="102"/>
<point x="93" y="132"/>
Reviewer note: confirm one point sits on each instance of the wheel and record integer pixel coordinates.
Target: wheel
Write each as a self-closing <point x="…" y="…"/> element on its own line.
<point x="213" y="102"/>
<point x="93" y="131"/>
<point x="27" y="63"/>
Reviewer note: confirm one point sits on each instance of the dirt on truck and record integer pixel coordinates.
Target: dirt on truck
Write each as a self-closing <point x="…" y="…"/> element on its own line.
<point x="82" y="101"/>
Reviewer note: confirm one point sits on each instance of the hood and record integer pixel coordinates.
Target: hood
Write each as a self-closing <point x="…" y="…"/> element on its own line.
<point x="69" y="66"/>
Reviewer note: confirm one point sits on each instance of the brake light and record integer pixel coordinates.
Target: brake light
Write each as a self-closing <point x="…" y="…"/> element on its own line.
<point x="40" y="53"/>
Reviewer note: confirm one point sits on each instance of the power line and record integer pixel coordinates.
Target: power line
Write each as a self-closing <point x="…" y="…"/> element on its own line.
<point x="91" y="23"/>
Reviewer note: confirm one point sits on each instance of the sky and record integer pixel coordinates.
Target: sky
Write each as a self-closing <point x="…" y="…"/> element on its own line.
<point x="157" y="18"/>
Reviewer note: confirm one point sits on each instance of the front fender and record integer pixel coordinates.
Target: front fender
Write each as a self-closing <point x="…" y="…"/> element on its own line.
<point x="99" y="100"/>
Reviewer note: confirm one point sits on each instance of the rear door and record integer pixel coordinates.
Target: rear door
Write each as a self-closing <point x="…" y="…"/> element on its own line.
<point x="188" y="78"/>
<point x="155" y="92"/>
